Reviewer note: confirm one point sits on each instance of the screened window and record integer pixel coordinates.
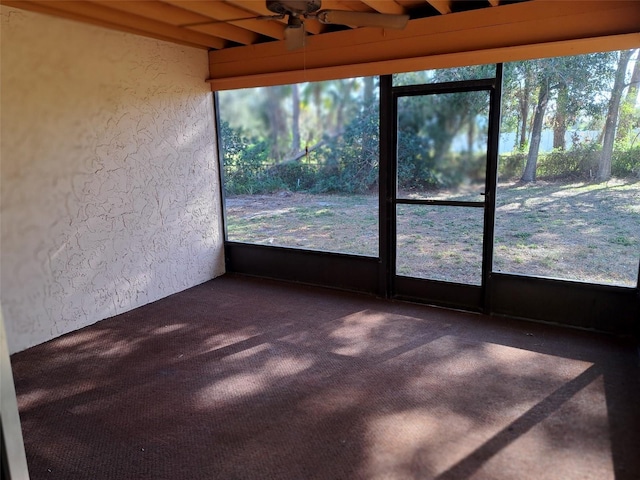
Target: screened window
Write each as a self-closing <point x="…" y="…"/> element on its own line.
<point x="568" y="200"/>
<point x="475" y="72"/>
<point x="301" y="165"/>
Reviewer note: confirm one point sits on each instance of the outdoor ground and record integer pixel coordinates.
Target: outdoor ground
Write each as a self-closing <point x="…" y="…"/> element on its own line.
<point x="581" y="231"/>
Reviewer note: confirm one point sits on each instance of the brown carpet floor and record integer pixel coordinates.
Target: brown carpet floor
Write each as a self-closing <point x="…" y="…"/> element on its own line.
<point x="242" y="378"/>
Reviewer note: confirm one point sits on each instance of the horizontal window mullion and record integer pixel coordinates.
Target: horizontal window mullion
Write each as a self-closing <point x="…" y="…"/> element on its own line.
<point x="444" y="203"/>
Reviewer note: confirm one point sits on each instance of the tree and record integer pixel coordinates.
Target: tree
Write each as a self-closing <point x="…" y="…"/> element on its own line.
<point x="529" y="173"/>
<point x="524" y="100"/>
<point x="295" y="120"/>
<point x="275" y="121"/>
<point x="518" y="88"/>
<point x="628" y="117"/>
<point x="369" y="108"/>
<point x="572" y="84"/>
<point x="604" y="166"/>
<point x="427" y="127"/>
<point x="561" y="117"/>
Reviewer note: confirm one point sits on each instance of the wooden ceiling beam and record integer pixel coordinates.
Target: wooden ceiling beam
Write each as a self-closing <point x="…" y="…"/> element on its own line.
<point x="228" y="31"/>
<point x="155" y="10"/>
<point x="95" y="14"/>
<point x="340" y="5"/>
<point x="220" y="11"/>
<point x="461" y="59"/>
<point x="522" y="25"/>
<point x="442" y="6"/>
<point x="165" y="13"/>
<point x="313" y="26"/>
<point x="385" y="6"/>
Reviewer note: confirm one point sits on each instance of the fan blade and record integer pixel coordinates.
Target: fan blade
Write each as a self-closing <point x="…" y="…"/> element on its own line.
<point x="295" y="37"/>
<point x="362" y="19"/>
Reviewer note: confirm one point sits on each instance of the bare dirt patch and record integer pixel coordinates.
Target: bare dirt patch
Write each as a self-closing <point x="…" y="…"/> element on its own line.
<point x="581" y="231"/>
<point x="346" y="224"/>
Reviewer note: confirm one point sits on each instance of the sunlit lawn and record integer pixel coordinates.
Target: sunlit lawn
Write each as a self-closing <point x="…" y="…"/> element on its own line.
<point x="588" y="232"/>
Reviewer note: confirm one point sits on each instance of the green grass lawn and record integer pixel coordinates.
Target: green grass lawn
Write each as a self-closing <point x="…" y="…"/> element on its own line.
<point x="581" y="231"/>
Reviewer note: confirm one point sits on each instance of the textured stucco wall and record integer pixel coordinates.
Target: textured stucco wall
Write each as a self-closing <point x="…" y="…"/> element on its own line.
<point x="109" y="183"/>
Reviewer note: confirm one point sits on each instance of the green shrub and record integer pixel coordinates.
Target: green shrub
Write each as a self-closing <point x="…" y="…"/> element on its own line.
<point x="511" y="165"/>
<point x="294" y="176"/>
<point x="579" y="163"/>
<point x="626" y="163"/>
<point x="244" y="160"/>
<point x="349" y="163"/>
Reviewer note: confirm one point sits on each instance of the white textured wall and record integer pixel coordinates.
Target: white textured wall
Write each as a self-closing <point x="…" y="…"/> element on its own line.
<point x="109" y="184"/>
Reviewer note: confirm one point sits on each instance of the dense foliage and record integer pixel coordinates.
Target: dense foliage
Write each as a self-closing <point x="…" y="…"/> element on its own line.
<point x="324" y="136"/>
<point x="578" y="163"/>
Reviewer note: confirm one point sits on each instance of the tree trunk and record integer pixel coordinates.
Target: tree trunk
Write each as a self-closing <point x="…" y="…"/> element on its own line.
<point x="560" y="119"/>
<point x="634" y="85"/>
<point x="368" y="103"/>
<point x="368" y="92"/>
<point x="441" y="148"/>
<point x="317" y="100"/>
<point x="604" y="167"/>
<point x="524" y="117"/>
<point x="625" y="124"/>
<point x="471" y="136"/>
<point x="523" y="103"/>
<point x="529" y="174"/>
<point x="346" y="87"/>
<point x="276" y="122"/>
<point x="295" y="119"/>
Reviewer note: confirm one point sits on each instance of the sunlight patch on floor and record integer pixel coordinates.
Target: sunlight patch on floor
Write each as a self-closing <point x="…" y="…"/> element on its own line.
<point x="485" y="407"/>
<point x="581" y="450"/>
<point x="256" y="370"/>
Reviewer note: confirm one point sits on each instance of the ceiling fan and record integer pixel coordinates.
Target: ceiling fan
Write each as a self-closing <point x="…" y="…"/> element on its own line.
<point x="298" y="10"/>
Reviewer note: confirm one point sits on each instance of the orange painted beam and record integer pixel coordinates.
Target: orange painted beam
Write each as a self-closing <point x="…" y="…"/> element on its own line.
<point x="93" y="13"/>
<point x="505" y="54"/>
<point x="537" y="22"/>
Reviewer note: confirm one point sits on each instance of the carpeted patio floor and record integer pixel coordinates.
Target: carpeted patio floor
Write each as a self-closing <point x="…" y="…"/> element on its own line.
<point x="241" y="378"/>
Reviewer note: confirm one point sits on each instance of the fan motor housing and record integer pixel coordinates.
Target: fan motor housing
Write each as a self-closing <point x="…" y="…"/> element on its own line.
<point x="296" y="7"/>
